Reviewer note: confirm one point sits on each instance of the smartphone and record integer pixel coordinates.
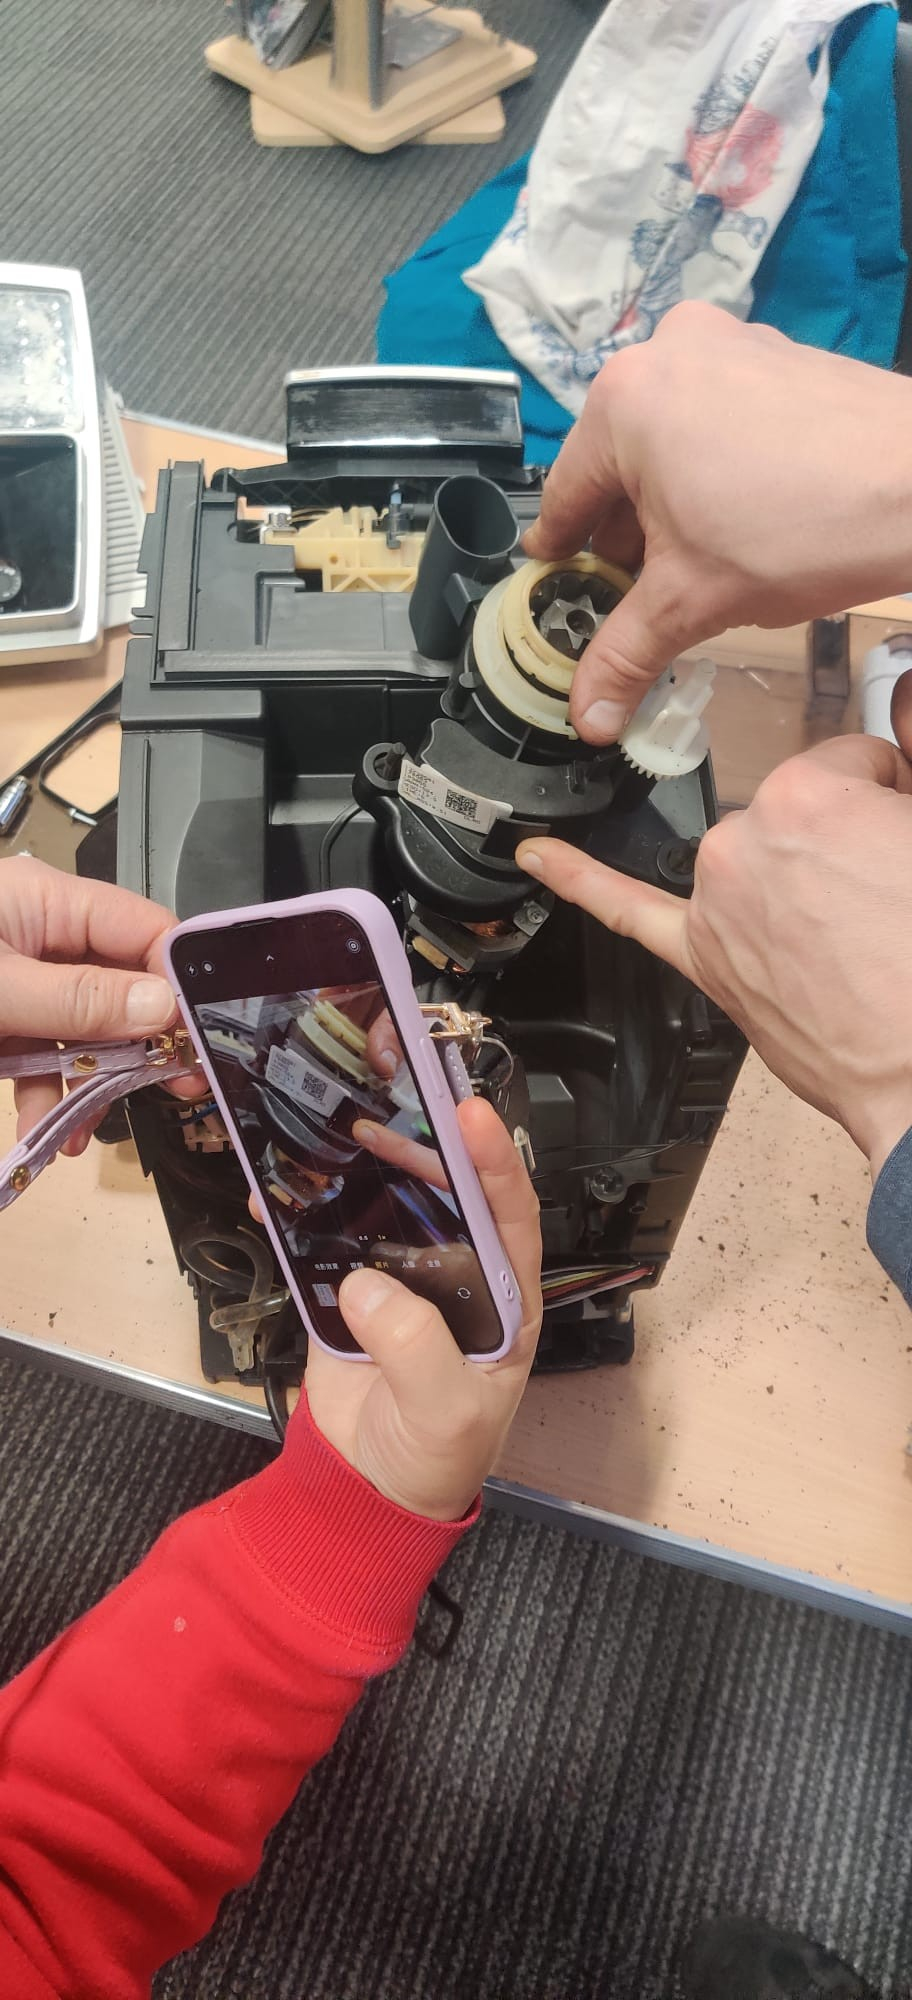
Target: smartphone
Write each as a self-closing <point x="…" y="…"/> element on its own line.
<point x="342" y="1112"/>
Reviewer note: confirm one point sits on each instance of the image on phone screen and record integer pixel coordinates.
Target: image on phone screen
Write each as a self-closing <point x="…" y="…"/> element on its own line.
<point x="334" y="1124"/>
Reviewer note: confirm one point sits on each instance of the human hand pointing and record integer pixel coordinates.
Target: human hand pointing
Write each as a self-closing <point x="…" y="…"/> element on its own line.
<point x="800" y="925"/>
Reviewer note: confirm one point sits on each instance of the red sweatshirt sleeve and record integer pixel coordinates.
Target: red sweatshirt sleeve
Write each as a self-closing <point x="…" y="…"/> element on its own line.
<point x="146" y="1754"/>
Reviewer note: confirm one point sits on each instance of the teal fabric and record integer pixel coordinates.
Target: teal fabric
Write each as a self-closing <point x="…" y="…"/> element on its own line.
<point x="431" y="316"/>
<point x="834" y="275"/>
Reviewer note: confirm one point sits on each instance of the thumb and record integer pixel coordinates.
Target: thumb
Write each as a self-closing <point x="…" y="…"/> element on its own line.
<point x="638" y="640"/>
<point x="409" y="1340"/>
<point x="637" y="910"/>
<point x="901" y="714"/>
<point x="80" y="1003"/>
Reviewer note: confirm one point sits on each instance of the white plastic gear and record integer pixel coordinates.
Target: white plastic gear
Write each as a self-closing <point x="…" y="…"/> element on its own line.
<point x="666" y="736"/>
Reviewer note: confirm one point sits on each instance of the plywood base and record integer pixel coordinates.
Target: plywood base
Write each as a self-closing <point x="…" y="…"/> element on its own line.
<point x="481" y="126"/>
<point x="440" y="88"/>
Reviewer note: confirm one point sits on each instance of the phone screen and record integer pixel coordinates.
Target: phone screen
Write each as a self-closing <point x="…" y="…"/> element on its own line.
<point x="331" y="1116"/>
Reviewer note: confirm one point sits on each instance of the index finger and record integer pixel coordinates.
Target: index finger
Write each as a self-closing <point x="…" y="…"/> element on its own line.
<point x="582" y="484"/>
<point x="510" y="1196"/>
<point x="410" y="1156"/>
<point x="48" y="914"/>
<point x="653" y="917"/>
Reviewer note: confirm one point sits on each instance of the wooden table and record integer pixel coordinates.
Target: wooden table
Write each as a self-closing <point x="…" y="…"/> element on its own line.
<point x="760" y="1430"/>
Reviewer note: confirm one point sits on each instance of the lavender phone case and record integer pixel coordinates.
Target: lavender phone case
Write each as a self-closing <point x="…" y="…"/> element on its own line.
<point x="428" y="1066"/>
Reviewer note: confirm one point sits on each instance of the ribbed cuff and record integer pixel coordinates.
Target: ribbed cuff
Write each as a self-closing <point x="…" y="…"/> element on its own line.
<point x="890" y="1216"/>
<point x="351" y="1559"/>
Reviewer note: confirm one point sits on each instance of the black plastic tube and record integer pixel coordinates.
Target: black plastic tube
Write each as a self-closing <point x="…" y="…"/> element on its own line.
<point x="472" y="535"/>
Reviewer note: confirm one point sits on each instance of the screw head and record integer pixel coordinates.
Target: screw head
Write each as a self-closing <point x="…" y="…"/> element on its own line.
<point x="20" y="1179"/>
<point x="676" y="860"/>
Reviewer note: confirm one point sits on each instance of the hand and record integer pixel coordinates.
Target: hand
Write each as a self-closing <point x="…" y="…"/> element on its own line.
<point x="757" y="481"/>
<point x="76" y="961"/>
<point x="800" y="926"/>
<point x="384" y="1053"/>
<point x="410" y="1156"/>
<point x="384" y="1049"/>
<point x="424" y="1425"/>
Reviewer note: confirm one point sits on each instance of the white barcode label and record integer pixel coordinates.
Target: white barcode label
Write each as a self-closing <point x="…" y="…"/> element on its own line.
<point x="325" y="1295"/>
<point x="438" y="795"/>
<point x="303" y="1081"/>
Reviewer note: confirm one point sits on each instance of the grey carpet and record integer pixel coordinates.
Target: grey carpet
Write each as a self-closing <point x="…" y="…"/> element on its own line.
<point x="615" y="1749"/>
<point x="212" y="264"/>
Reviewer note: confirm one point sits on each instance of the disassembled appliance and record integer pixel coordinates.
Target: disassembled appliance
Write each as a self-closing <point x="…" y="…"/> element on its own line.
<point x="346" y="673"/>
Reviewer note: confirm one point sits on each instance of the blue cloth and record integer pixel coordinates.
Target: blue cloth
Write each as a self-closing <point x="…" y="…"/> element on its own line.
<point x="890" y="1217"/>
<point x="833" y="276"/>
<point x="431" y="316"/>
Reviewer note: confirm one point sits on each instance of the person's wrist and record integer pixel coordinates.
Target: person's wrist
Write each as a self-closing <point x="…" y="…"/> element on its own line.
<point x="444" y="1498"/>
<point x="447" y="1502"/>
<point x="885" y="1123"/>
<point x="343" y="1550"/>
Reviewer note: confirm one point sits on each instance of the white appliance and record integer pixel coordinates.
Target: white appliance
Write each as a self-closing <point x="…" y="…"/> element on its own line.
<point x="70" y="512"/>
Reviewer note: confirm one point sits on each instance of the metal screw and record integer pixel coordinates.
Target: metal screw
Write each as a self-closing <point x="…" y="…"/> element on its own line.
<point x="676" y="859"/>
<point x="19" y="1179"/>
<point x="85" y="1064"/>
<point x="530" y="916"/>
<point x="607" y="1185"/>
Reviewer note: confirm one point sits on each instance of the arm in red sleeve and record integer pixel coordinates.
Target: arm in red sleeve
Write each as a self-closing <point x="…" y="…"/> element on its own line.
<point x="146" y="1754"/>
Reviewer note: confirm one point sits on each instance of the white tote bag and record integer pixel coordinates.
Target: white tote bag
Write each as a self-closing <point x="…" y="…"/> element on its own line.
<point x="666" y="162"/>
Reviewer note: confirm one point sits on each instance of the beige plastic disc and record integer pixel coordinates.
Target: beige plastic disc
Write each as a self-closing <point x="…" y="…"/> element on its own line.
<point x="340" y="1025"/>
<point x="526" y="674"/>
<point x="331" y="1047"/>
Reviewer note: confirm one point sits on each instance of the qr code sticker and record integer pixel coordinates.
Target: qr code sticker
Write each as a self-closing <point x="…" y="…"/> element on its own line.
<point x="313" y="1087"/>
<point x="462" y="803"/>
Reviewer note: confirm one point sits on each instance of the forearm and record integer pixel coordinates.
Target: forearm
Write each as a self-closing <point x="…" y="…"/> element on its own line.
<point x="147" y="1753"/>
<point x="861" y="551"/>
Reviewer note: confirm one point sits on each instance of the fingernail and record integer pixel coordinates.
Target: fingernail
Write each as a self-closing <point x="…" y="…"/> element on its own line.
<point x="150" y="1003"/>
<point x="387" y="1063"/>
<point x="370" y="1292"/>
<point x="364" y="1131"/>
<point x="530" y="862"/>
<point x="603" y="722"/>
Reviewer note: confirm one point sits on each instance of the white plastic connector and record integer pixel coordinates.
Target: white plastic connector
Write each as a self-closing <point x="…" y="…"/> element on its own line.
<point x="879" y="675"/>
<point x="666" y="736"/>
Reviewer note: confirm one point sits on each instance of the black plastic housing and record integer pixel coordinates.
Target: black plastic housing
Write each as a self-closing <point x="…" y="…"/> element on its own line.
<point x="249" y="704"/>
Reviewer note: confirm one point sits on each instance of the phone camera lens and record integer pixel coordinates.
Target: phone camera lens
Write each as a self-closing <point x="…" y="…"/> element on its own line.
<point x="208" y="967"/>
<point x="352" y="944"/>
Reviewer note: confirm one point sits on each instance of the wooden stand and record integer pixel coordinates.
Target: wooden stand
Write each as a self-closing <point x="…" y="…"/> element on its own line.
<point x="271" y="126"/>
<point x="331" y="96"/>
